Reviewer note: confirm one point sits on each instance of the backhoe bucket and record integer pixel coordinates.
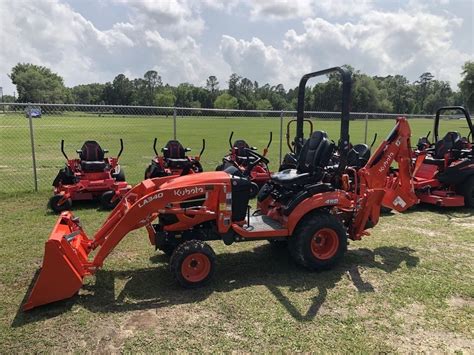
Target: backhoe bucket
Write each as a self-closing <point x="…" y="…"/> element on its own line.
<point x="64" y="263"/>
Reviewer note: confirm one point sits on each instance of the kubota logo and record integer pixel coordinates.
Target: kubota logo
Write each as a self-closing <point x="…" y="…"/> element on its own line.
<point x="187" y="192"/>
<point x="386" y="163"/>
<point x="149" y="199"/>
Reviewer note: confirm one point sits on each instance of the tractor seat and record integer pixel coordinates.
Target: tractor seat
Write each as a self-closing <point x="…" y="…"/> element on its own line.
<point x="358" y="156"/>
<point x="313" y="158"/>
<point x="452" y="140"/>
<point x="174" y="150"/>
<point x="92" y="157"/>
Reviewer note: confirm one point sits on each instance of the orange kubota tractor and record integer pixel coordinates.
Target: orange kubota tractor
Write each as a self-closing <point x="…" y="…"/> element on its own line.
<point x="315" y="207"/>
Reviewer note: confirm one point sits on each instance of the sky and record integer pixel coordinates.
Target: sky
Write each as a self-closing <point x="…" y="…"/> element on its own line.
<point x="88" y="41"/>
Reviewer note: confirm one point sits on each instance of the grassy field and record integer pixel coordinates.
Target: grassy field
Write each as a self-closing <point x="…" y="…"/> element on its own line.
<point x="407" y="287"/>
<point x="138" y="133"/>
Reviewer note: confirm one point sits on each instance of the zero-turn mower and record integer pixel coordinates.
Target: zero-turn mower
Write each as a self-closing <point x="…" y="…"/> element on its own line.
<point x="444" y="169"/>
<point x="241" y="158"/>
<point x="315" y="208"/>
<point x="174" y="161"/>
<point x="89" y="177"/>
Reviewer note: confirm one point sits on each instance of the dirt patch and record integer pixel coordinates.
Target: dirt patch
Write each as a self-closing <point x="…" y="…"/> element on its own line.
<point x="459" y="302"/>
<point x="417" y="338"/>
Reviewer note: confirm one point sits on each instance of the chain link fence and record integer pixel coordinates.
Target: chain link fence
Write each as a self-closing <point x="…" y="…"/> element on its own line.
<point x="30" y="135"/>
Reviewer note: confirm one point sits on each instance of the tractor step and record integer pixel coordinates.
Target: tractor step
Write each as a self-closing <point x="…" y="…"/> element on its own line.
<point x="260" y="227"/>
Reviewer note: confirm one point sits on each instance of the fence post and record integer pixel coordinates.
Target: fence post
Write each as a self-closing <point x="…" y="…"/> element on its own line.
<point x="366" y="127"/>
<point x="281" y="135"/>
<point x="174" y="123"/>
<point x="33" y="155"/>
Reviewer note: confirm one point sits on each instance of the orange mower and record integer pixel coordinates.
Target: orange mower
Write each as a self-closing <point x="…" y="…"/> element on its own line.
<point x="315" y="208"/>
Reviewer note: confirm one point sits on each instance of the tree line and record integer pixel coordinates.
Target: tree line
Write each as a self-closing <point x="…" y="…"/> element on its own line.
<point x="389" y="94"/>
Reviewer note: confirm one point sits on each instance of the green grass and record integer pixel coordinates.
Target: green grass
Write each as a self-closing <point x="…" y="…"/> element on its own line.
<point x="138" y="133"/>
<point x="407" y="287"/>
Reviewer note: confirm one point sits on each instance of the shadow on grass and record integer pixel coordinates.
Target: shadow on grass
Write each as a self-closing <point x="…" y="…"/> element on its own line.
<point x="450" y="212"/>
<point x="150" y="288"/>
<point x="81" y="205"/>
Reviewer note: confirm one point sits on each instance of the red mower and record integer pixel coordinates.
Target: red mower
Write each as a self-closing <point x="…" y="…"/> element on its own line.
<point x="239" y="159"/>
<point x="314" y="208"/>
<point x="90" y="177"/>
<point x="174" y="161"/>
<point x="444" y="169"/>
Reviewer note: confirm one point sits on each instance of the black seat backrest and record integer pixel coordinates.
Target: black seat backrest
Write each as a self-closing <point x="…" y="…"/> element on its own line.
<point x="239" y="147"/>
<point x="316" y="153"/>
<point x="452" y="140"/>
<point x="91" y="151"/>
<point x="358" y="156"/>
<point x="174" y="150"/>
<point x="423" y="143"/>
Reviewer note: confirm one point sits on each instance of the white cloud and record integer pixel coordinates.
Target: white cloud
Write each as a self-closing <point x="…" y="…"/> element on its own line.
<point x="255" y="60"/>
<point x="52" y="34"/>
<point x="280" y="9"/>
<point x="383" y="43"/>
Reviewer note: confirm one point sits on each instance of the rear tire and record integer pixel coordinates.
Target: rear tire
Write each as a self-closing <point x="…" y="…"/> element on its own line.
<point x="193" y="263"/>
<point x="54" y="204"/>
<point x="106" y="200"/>
<point x="467" y="190"/>
<point x="318" y="242"/>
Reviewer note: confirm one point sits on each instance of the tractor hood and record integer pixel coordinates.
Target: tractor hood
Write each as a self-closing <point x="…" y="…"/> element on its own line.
<point x="212" y="177"/>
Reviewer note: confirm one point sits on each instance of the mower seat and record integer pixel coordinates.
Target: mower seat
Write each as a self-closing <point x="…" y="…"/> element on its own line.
<point x="92" y="157"/>
<point x="243" y="158"/>
<point x="174" y="150"/>
<point x="313" y="158"/>
<point x="358" y="156"/>
<point x="452" y="140"/>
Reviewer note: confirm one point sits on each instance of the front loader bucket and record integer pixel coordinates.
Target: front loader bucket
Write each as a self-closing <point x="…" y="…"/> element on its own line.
<point x="64" y="263"/>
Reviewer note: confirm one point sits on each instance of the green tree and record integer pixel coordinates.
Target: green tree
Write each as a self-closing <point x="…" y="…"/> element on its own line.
<point x="38" y="84"/>
<point x="264" y="104"/>
<point x="151" y="84"/>
<point x="226" y="101"/>
<point x="467" y="84"/>
<point x="88" y="93"/>
<point x="441" y="95"/>
<point x="165" y="98"/>
<point x="233" y="84"/>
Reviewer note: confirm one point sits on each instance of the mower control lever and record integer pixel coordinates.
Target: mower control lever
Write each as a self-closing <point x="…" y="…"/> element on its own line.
<point x="373" y="142"/>
<point x="121" y="149"/>
<point x="203" y="147"/>
<point x="62" y="149"/>
<point x="230" y="139"/>
<point x="154" y="146"/>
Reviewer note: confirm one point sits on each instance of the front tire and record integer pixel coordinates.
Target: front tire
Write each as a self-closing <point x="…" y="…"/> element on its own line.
<point x="57" y="206"/>
<point x="120" y="176"/>
<point x="319" y="241"/>
<point x="193" y="263"/>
